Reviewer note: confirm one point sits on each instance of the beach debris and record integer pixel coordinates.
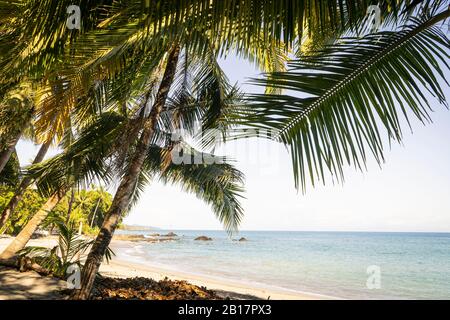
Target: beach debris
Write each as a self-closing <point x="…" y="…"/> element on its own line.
<point x="203" y="238"/>
<point x="140" y="288"/>
<point x="24" y="264"/>
<point x="39" y="234"/>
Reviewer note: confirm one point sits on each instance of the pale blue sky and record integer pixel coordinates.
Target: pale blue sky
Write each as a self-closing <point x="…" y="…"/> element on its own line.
<point x="411" y="192"/>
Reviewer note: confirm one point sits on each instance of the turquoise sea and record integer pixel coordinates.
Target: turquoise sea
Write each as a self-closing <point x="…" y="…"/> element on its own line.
<point x="410" y="265"/>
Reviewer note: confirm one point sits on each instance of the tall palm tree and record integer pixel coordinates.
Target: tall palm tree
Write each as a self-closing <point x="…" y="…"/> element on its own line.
<point x="10" y="176"/>
<point x="25" y="234"/>
<point x="103" y="197"/>
<point x="16" y="110"/>
<point x="249" y="27"/>
<point x="243" y="43"/>
<point x="122" y="198"/>
<point x="24" y="184"/>
<point x="54" y="183"/>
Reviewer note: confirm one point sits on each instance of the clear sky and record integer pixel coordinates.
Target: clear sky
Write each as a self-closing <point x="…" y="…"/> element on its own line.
<point x="411" y="192"/>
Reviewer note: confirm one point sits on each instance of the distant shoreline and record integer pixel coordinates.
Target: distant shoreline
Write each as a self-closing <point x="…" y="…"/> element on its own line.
<point x="142" y="228"/>
<point x="137" y="228"/>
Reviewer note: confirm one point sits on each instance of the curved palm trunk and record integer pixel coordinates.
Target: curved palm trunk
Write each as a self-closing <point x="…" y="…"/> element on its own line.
<point x="24" y="236"/>
<point x="124" y="192"/>
<point x="69" y="210"/>
<point x="24" y="184"/>
<point x="95" y="213"/>
<point x="7" y="152"/>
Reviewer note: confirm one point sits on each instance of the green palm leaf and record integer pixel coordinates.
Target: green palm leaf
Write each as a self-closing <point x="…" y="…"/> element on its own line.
<point x="219" y="184"/>
<point x="350" y="91"/>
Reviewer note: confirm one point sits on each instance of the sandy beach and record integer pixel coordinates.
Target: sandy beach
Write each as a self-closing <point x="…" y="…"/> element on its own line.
<point x="15" y="285"/>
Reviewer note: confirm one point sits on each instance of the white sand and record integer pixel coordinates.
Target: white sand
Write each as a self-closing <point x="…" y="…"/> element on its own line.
<point x="14" y="285"/>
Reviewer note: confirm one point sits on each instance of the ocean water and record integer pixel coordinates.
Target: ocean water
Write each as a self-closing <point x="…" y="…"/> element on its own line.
<point x="337" y="264"/>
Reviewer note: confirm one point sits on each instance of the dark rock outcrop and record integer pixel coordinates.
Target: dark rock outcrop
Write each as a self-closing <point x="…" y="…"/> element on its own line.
<point x="170" y="234"/>
<point x="203" y="238"/>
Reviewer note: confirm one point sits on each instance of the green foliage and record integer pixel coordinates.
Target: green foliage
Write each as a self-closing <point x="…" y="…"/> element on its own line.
<point x="10" y="175"/>
<point x="99" y="81"/>
<point x="16" y="109"/>
<point x="69" y="251"/>
<point x="218" y="184"/>
<point x="30" y="204"/>
<point x="88" y="208"/>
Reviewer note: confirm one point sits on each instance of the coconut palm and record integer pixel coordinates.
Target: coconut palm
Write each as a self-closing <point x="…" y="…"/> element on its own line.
<point x="253" y="29"/>
<point x="16" y="110"/>
<point x="217" y="184"/>
<point x="189" y="33"/>
<point x="24" y="184"/>
<point x="53" y="183"/>
<point x="25" y="234"/>
<point x="10" y="176"/>
<point x="103" y="197"/>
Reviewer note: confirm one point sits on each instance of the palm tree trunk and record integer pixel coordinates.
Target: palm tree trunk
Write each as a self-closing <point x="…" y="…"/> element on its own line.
<point x="69" y="210"/>
<point x="123" y="195"/>
<point x="24" y="236"/>
<point x="24" y="184"/>
<point x="95" y="212"/>
<point x="7" y="152"/>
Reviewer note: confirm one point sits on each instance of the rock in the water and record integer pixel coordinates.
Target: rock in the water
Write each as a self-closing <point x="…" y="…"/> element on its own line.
<point x="170" y="234"/>
<point x="242" y="239"/>
<point x="203" y="238"/>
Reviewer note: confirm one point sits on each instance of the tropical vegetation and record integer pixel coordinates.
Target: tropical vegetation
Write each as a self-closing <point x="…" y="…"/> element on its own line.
<point x="89" y="207"/>
<point x="112" y="94"/>
<point x="69" y="252"/>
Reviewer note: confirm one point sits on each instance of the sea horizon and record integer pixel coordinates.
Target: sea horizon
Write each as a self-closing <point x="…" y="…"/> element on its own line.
<point x="280" y="230"/>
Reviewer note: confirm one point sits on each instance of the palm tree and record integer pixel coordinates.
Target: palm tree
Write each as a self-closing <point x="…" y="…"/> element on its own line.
<point x="15" y="112"/>
<point x="54" y="183"/>
<point x="243" y="43"/>
<point x="25" y="234"/>
<point x="122" y="198"/>
<point x="24" y="184"/>
<point x="10" y="176"/>
<point x="252" y="28"/>
<point x="217" y="184"/>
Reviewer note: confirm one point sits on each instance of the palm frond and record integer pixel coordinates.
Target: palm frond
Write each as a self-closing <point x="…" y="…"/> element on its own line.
<point x="218" y="183"/>
<point x="351" y="90"/>
<point x="86" y="159"/>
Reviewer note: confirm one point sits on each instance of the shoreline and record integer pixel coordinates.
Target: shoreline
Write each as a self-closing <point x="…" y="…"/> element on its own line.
<point x="122" y="268"/>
